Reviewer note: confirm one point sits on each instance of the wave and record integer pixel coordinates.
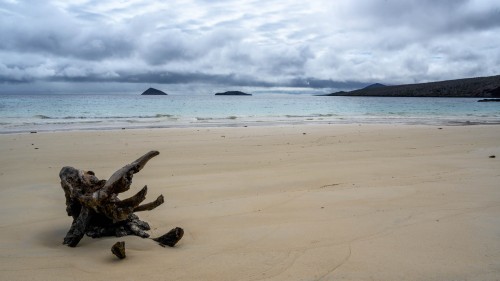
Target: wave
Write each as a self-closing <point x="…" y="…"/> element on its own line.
<point x="215" y="118"/>
<point x="159" y="115"/>
<point x="203" y="118"/>
<point x="61" y="123"/>
<point x="40" y="116"/>
<point x="311" y="115"/>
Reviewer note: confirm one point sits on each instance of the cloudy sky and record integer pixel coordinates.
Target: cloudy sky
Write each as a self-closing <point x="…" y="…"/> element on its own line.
<point x="292" y="43"/>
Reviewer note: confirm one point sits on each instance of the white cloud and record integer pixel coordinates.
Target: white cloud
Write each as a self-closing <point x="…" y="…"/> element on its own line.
<point x="262" y="41"/>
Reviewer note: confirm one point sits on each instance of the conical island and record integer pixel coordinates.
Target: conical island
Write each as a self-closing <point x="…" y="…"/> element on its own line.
<point x="153" y="92"/>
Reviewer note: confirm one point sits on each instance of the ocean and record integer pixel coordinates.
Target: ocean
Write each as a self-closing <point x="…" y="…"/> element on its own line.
<point x="59" y="112"/>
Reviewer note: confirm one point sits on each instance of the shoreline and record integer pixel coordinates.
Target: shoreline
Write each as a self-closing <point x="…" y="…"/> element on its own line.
<point x="353" y="202"/>
<point x="277" y="123"/>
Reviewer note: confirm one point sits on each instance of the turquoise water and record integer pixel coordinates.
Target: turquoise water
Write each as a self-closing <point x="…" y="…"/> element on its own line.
<point x="23" y="113"/>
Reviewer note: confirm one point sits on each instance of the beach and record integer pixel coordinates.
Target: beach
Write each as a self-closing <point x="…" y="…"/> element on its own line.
<point x="306" y="202"/>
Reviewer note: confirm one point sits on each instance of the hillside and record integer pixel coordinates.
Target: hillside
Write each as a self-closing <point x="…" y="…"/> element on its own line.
<point x="484" y="87"/>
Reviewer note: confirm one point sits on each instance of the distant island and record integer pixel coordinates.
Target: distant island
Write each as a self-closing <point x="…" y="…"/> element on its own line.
<point x="489" y="100"/>
<point x="233" y="93"/>
<point x="153" y="92"/>
<point x="480" y="87"/>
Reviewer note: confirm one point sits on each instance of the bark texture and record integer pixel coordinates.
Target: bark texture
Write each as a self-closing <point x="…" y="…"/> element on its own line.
<point x="95" y="207"/>
<point x="118" y="250"/>
<point x="170" y="238"/>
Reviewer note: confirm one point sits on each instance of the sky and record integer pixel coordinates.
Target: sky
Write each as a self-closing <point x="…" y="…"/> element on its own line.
<point x="317" y="44"/>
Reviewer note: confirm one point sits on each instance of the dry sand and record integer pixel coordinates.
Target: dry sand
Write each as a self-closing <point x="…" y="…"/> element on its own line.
<point x="336" y="202"/>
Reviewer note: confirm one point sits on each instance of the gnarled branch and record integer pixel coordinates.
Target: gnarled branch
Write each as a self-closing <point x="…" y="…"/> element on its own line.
<point x="95" y="207"/>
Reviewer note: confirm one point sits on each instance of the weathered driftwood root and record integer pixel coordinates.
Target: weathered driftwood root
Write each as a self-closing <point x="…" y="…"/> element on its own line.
<point x="171" y="238"/>
<point x="118" y="250"/>
<point x="95" y="207"/>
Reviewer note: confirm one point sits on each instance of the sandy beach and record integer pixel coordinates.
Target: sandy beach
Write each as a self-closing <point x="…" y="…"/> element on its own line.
<point x="320" y="202"/>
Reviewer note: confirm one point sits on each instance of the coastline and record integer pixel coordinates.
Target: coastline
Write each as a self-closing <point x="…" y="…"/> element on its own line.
<point x="295" y="202"/>
<point x="238" y="122"/>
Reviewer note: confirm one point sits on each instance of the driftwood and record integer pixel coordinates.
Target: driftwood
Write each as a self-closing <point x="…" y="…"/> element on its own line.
<point x="95" y="207"/>
<point x="171" y="238"/>
<point x="118" y="250"/>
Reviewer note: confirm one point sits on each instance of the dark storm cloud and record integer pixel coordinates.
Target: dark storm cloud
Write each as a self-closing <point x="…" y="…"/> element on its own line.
<point x="315" y="44"/>
<point x="169" y="78"/>
<point x="318" y="84"/>
<point x="198" y="77"/>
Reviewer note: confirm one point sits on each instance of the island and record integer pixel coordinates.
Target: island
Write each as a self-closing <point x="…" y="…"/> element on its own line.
<point x="482" y="87"/>
<point x="233" y="93"/>
<point x="153" y="92"/>
<point x="489" y="100"/>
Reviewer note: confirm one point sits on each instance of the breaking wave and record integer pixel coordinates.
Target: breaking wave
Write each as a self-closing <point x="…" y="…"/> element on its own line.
<point x="311" y="115"/>
<point x="215" y="118"/>
<point x="39" y="116"/>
